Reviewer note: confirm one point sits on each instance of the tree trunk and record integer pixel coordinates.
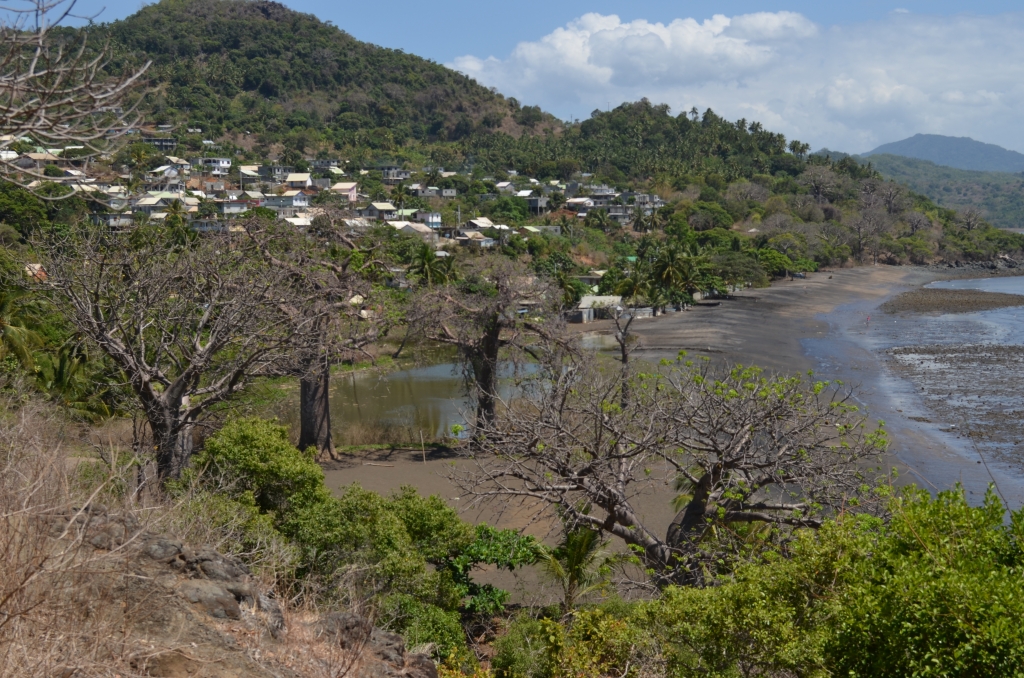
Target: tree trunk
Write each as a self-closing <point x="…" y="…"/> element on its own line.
<point x="485" y="371"/>
<point x="174" y="446"/>
<point x="315" y="413"/>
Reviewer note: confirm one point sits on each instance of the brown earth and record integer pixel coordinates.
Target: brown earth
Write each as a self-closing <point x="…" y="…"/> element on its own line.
<point x="760" y="327"/>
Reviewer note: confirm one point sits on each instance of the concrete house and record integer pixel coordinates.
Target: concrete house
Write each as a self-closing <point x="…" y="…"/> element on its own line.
<point x="347" y="190"/>
<point x="217" y="167"/>
<point x="381" y="211"/>
<point x="298" y="181"/>
<point x="275" y="173"/>
<point x="395" y="175"/>
<point x="431" y="219"/>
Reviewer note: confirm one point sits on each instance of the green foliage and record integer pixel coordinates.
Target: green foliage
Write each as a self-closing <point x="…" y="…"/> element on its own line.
<point x="425" y="624"/>
<point x="257" y="455"/>
<point x="997" y="194"/>
<point x="602" y="641"/>
<point x="289" y="78"/>
<point x="413" y="554"/>
<point x="775" y="263"/>
<point x="933" y="592"/>
<point x="522" y="651"/>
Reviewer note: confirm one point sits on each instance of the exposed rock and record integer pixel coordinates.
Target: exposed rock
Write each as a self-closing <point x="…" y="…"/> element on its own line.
<point x="188" y="607"/>
<point x="383" y="653"/>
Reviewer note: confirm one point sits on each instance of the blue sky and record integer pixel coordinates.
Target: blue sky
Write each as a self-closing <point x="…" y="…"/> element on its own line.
<point x="849" y="76"/>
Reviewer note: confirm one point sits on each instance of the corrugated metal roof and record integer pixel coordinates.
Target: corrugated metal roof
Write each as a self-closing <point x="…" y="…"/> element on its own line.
<point x="591" y="301"/>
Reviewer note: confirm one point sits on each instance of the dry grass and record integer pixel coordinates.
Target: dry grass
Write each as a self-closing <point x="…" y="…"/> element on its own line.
<point x="72" y="604"/>
<point x="62" y="611"/>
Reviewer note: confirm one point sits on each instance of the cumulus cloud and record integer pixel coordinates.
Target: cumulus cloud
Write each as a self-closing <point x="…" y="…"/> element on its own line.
<point x="847" y="87"/>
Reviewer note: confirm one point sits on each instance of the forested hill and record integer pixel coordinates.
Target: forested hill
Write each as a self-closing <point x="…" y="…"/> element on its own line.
<point x="998" y="195"/>
<point x="959" y="152"/>
<point x="234" y="66"/>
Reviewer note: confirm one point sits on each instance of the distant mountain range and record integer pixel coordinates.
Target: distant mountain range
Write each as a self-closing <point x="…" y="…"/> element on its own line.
<point x="959" y="152"/>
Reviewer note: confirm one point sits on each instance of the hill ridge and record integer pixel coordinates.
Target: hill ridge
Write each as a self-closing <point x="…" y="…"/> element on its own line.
<point x="959" y="152"/>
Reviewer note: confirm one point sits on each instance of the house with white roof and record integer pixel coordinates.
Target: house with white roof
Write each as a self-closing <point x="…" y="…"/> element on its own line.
<point x="298" y="180"/>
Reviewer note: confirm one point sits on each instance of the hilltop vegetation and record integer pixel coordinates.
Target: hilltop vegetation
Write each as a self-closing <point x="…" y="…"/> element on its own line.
<point x="236" y="67"/>
<point x="998" y="195"/>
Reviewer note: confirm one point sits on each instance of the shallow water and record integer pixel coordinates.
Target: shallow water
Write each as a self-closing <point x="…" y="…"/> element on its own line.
<point x="949" y="386"/>
<point x="397" y="405"/>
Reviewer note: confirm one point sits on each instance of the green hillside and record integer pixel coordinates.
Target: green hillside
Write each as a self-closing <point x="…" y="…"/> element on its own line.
<point x="999" y="195"/>
<point x="959" y="152"/>
<point x="236" y="66"/>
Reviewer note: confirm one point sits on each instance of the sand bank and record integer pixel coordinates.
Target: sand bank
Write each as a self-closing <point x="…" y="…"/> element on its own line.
<point x="950" y="301"/>
<point x="764" y="327"/>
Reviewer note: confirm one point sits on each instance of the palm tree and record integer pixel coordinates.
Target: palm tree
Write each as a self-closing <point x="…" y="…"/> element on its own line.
<point x="426" y="266"/>
<point x="579" y="566"/>
<point x="70" y="383"/>
<point x="670" y="268"/>
<point x="446" y="267"/>
<point x="599" y="219"/>
<point x="18" y="320"/>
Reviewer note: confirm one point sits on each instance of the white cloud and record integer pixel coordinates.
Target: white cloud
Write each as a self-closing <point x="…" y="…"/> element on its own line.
<point x="847" y="87"/>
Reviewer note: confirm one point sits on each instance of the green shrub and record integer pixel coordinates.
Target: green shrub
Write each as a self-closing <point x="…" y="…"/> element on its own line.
<point x="523" y="650"/>
<point x="937" y="591"/>
<point x="422" y="623"/>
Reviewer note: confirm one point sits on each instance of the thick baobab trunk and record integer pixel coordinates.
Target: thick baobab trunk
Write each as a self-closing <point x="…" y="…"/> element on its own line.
<point x="485" y="372"/>
<point x="174" y="447"/>
<point x="315" y="413"/>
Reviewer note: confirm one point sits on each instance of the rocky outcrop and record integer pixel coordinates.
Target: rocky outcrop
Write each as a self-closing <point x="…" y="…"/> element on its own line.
<point x="201" y="613"/>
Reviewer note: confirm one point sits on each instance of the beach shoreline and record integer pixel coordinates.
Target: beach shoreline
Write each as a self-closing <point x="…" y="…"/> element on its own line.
<point x="814" y="325"/>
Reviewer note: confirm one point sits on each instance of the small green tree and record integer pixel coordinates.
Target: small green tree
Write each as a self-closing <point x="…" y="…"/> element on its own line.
<point x="579" y="565"/>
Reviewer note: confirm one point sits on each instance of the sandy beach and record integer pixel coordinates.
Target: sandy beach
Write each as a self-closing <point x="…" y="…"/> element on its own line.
<point x="830" y="323"/>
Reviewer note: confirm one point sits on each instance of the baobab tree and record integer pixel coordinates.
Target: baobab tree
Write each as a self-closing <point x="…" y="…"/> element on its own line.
<point x="345" y="315"/>
<point x="744" y="450"/>
<point x="189" y="325"/>
<point x="497" y="305"/>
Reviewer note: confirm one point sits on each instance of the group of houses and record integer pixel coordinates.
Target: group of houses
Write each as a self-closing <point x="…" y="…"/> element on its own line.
<point x="211" y="192"/>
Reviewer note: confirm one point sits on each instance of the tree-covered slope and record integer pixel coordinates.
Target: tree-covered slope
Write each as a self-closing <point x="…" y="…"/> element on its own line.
<point x="959" y="152"/>
<point x="999" y="195"/>
<point x="236" y="66"/>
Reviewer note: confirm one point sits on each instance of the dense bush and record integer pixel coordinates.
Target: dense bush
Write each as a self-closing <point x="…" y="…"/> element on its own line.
<point x="936" y="590"/>
<point x="410" y="555"/>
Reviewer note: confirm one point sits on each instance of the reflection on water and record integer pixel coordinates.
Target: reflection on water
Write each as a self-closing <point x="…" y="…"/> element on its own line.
<point x="396" y="407"/>
<point x="430" y="399"/>
<point x="368" y="406"/>
<point x="1010" y="285"/>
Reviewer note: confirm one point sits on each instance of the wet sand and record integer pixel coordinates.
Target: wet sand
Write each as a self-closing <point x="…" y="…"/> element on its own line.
<point x="830" y="323"/>
<point x="950" y="301"/>
<point x="764" y="327"/>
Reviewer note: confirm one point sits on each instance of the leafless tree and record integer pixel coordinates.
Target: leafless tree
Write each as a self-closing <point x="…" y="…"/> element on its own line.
<point x="189" y="326"/>
<point x="345" y="316"/>
<point x="56" y="87"/>
<point x="821" y="181"/>
<point x="833" y="234"/>
<point x="498" y="305"/>
<point x="893" y="196"/>
<point x="916" y="221"/>
<point x="743" y="448"/>
<point x="970" y="219"/>
<point x="868" y="227"/>
<point x="745" y="190"/>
